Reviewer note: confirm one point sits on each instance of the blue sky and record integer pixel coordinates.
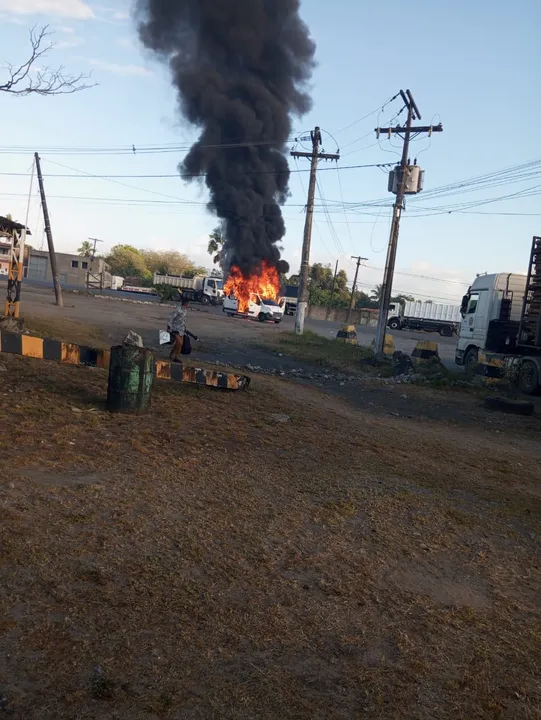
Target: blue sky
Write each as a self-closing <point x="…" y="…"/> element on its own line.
<point x="469" y="64"/>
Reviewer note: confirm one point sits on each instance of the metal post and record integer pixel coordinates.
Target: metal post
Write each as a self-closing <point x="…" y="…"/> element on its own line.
<point x="49" y="234"/>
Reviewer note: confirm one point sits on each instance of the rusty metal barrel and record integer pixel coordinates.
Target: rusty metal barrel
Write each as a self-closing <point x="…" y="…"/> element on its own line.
<point x="131" y="374"/>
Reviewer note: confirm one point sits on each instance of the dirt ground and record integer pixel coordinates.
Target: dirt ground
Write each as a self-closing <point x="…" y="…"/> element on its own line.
<point x="283" y="552"/>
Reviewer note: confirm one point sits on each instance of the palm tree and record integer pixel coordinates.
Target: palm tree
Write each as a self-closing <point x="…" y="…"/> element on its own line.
<point x="216" y="241"/>
<point x="375" y="295"/>
<point x="86" y="249"/>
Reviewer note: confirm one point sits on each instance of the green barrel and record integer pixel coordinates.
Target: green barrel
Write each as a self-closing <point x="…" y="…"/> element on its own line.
<point x="131" y="373"/>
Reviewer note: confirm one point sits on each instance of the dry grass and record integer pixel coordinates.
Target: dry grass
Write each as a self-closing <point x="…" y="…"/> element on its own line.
<point x="220" y="566"/>
<point x="64" y="329"/>
<point x="318" y="350"/>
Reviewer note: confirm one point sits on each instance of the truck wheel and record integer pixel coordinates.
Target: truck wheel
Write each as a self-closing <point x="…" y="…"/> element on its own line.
<point x="446" y="331"/>
<point x="394" y="324"/>
<point x="528" y="378"/>
<point x="205" y="299"/>
<point x="471" y="358"/>
<point x="262" y="317"/>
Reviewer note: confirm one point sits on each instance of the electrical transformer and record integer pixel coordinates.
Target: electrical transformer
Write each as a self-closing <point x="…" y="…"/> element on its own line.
<point x="414" y="179"/>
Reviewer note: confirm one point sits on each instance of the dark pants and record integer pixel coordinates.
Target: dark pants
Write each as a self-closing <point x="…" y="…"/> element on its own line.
<point x="176" y="350"/>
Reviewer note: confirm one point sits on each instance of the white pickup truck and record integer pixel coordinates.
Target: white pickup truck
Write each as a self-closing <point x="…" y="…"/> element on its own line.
<point x="262" y="309"/>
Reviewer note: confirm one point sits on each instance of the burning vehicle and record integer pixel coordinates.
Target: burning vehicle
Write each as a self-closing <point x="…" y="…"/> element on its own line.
<point x="254" y="295"/>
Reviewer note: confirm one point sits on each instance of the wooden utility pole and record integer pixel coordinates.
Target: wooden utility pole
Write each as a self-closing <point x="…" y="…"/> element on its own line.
<point x="407" y="133"/>
<point x="332" y="290"/>
<point x="48" y="232"/>
<point x="95" y="241"/>
<point x="352" y="301"/>
<point x="314" y="156"/>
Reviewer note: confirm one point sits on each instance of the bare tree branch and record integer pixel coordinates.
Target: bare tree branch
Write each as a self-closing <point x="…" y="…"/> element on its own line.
<point x="26" y="79"/>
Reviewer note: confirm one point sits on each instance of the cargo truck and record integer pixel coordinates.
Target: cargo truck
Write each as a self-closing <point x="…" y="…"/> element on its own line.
<point x="262" y="309"/>
<point x="501" y="316"/>
<point x="291" y="299"/>
<point x="203" y="289"/>
<point x="427" y="316"/>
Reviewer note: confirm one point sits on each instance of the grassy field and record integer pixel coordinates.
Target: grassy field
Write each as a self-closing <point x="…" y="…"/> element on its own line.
<point x="207" y="561"/>
<point x="317" y="350"/>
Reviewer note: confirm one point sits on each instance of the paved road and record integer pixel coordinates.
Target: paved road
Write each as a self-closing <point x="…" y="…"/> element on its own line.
<point x="404" y="340"/>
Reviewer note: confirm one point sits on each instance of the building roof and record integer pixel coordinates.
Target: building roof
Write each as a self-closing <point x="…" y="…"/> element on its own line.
<point x="7" y="226"/>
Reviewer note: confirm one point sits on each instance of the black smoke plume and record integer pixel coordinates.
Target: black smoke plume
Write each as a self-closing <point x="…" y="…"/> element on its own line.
<point x="240" y="68"/>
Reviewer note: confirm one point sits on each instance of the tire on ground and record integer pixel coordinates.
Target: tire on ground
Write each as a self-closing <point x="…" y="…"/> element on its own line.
<point x="506" y="405"/>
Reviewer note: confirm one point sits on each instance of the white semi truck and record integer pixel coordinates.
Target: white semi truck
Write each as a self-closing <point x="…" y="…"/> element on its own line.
<point x="262" y="309"/>
<point x="200" y="288"/>
<point x="501" y="316"/>
<point x="427" y="316"/>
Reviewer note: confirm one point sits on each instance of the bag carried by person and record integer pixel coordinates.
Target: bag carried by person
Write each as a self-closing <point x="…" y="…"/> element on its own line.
<point x="186" y="345"/>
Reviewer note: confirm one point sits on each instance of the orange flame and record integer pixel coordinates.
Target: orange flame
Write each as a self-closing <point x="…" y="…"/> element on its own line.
<point x="265" y="283"/>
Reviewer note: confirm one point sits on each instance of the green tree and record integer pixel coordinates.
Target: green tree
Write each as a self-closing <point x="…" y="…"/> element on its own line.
<point x="86" y="249"/>
<point x="402" y="298"/>
<point x="168" y="262"/>
<point x="320" y="277"/>
<point x="216" y="243"/>
<point x="126" y="261"/>
<point x="376" y="293"/>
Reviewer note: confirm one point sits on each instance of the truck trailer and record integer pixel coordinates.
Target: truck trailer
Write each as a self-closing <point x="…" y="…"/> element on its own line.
<point x="200" y="288"/>
<point x="501" y="315"/>
<point x="427" y="316"/>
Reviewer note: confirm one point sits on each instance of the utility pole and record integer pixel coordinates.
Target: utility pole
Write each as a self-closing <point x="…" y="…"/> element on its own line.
<point x="352" y="301"/>
<point x="407" y="133"/>
<point x="48" y="232"/>
<point x="95" y="241"/>
<point x="314" y="157"/>
<point x="332" y="291"/>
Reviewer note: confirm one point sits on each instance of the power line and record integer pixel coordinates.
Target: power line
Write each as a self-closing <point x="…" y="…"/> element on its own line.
<point x="373" y="112"/>
<point x="178" y="176"/>
<point x="141" y="149"/>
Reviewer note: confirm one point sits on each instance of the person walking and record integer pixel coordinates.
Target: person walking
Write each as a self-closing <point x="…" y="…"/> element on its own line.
<point x="177" y="328"/>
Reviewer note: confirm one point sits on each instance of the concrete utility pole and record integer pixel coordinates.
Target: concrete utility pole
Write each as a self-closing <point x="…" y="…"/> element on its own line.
<point x="332" y="290"/>
<point x="48" y="232"/>
<point x="407" y="132"/>
<point x="314" y="156"/>
<point x="352" y="301"/>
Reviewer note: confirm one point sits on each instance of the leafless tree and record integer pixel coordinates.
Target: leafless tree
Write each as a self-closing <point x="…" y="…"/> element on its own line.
<point x="28" y="78"/>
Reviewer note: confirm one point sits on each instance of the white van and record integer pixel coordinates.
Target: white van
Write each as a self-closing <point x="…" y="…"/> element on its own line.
<point x="262" y="309"/>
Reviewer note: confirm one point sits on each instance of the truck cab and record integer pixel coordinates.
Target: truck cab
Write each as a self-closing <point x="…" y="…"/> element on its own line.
<point x="491" y="311"/>
<point x="213" y="288"/>
<point x="262" y="309"/>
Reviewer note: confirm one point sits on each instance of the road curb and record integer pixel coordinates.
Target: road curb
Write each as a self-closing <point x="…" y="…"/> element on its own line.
<point x="73" y="354"/>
